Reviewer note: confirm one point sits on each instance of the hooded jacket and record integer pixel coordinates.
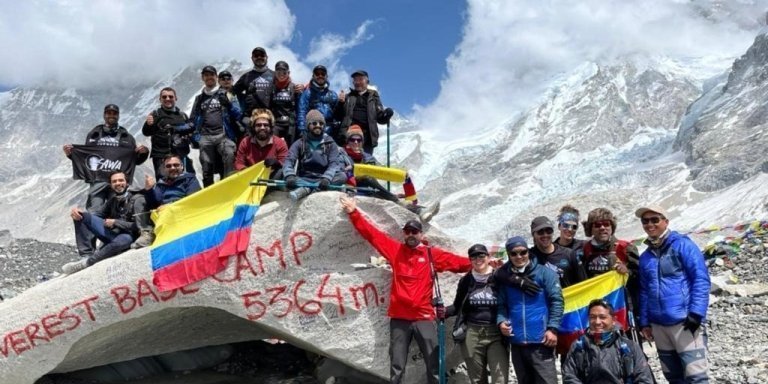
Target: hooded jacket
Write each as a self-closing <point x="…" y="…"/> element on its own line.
<point x="531" y="316"/>
<point x="589" y="363"/>
<point x="229" y="111"/>
<point x="410" y="297"/>
<point x="674" y="282"/>
<point x="316" y="97"/>
<point x="166" y="192"/>
<point x="321" y="162"/>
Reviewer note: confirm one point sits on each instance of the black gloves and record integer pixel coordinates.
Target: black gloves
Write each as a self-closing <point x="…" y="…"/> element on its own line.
<point x="388" y="112"/>
<point x="323" y="184"/>
<point x="271" y="162"/>
<point x="291" y="181"/>
<point x="692" y="322"/>
<point x="524" y="283"/>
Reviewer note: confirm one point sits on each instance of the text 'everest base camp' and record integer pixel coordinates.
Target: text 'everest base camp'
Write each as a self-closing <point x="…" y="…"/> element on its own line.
<point x="305" y="294"/>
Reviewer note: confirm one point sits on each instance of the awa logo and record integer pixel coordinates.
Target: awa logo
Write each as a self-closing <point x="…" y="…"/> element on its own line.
<point x="98" y="163"/>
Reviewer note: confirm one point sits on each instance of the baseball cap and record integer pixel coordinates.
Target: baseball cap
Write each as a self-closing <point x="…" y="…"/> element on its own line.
<point x="477" y="249"/>
<point x="259" y="50"/>
<point x="651" y="208"/>
<point x="208" y="69"/>
<point x="224" y="74"/>
<point x="541" y="222"/>
<point x="112" y="107"/>
<point x="413" y="224"/>
<point x="281" y="65"/>
<point x="319" y="68"/>
<point x="360" y="72"/>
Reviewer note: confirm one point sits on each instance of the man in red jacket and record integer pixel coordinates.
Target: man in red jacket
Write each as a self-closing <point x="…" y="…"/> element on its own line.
<point x="410" y="300"/>
<point x="262" y="145"/>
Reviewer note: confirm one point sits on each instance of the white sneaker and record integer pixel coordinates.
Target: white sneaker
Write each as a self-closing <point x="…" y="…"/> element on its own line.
<point x="75" y="266"/>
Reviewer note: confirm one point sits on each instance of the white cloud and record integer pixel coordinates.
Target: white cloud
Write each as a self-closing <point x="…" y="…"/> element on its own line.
<point x="511" y="50"/>
<point x="89" y="42"/>
<point x="329" y="48"/>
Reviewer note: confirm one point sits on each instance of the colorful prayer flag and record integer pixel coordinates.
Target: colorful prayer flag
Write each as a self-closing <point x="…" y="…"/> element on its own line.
<point x="196" y="235"/>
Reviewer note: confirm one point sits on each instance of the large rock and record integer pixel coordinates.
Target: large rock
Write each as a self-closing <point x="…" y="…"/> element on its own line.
<point x="296" y="282"/>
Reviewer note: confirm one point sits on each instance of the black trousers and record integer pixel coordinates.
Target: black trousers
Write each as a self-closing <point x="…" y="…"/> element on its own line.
<point x="534" y="364"/>
<point x="401" y="332"/>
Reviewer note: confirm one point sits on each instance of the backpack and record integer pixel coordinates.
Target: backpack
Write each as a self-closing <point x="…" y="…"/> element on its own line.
<point x="627" y="359"/>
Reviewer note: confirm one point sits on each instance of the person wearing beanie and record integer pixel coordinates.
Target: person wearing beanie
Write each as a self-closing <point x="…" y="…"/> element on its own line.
<point x="262" y="145"/>
<point x="475" y="331"/>
<point x="529" y="313"/>
<point x="113" y="141"/>
<point x="320" y="97"/>
<point x="284" y="101"/>
<point x="560" y="259"/>
<point x="674" y="298"/>
<point x="353" y="153"/>
<point x="215" y="134"/>
<point x="362" y="107"/>
<point x="411" y="310"/>
<point x="313" y="161"/>
<point x="568" y="225"/>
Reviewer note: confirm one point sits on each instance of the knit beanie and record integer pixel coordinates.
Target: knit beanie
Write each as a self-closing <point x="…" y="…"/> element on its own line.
<point x="314" y="115"/>
<point x="353" y="130"/>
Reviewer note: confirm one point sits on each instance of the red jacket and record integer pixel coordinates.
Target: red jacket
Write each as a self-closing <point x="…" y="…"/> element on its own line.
<point x="410" y="297"/>
<point x="250" y="153"/>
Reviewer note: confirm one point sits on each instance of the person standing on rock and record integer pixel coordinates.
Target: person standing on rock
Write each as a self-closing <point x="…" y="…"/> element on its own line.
<point x="114" y="225"/>
<point x="313" y="159"/>
<point x="476" y="303"/>
<point x="361" y="106"/>
<point x="169" y="129"/>
<point x="529" y="314"/>
<point x="674" y="297"/>
<point x="568" y="225"/>
<point x="285" y="98"/>
<point x="411" y="312"/>
<point x="254" y="88"/>
<point x="225" y="84"/>
<point x="318" y="96"/>
<point x="560" y="259"/>
<point x="603" y="354"/>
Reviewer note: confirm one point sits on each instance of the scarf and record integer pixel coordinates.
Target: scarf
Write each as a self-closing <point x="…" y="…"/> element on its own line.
<point x="282" y="84"/>
<point x="355" y="156"/>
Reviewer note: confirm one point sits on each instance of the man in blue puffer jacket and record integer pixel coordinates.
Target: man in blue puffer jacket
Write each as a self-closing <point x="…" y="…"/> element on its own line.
<point x="530" y="310"/>
<point x="674" y="296"/>
<point x="320" y="97"/>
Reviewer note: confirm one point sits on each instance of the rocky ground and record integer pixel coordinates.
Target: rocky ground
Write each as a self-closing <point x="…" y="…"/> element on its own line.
<point x="738" y="319"/>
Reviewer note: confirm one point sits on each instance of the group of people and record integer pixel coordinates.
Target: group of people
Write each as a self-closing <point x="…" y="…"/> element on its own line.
<point x="310" y="138"/>
<point x="515" y="308"/>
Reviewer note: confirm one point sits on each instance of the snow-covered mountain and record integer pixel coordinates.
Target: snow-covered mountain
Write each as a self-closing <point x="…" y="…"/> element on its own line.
<point x="687" y="134"/>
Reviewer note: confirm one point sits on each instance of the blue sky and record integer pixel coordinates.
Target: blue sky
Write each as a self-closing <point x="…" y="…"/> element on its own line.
<point x="408" y="46"/>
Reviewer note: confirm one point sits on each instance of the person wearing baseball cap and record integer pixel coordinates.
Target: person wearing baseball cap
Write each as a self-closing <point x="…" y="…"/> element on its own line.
<point x="254" y="88"/>
<point x="674" y="298"/>
<point x="411" y="309"/>
<point x="362" y="107"/>
<point x="475" y="332"/>
<point x="530" y="309"/>
<point x="546" y="252"/>
<point x="318" y="95"/>
<point x="284" y="101"/>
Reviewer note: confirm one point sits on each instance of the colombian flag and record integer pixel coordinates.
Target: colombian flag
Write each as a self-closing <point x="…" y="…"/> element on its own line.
<point x="196" y="235"/>
<point x="609" y="286"/>
<point x="389" y="174"/>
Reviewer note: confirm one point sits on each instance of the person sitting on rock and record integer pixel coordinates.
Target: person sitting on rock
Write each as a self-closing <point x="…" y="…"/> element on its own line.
<point x="175" y="185"/>
<point x="113" y="225"/>
<point x="353" y="154"/>
<point x="410" y="310"/>
<point x="313" y="159"/>
<point x="262" y="145"/>
<point x="603" y="354"/>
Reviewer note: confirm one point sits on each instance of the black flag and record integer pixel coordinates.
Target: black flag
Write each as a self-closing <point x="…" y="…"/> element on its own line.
<point x="95" y="162"/>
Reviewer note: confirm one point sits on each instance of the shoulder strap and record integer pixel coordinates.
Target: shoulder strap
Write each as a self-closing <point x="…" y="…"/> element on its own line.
<point x="627" y="360"/>
<point x="436" y="282"/>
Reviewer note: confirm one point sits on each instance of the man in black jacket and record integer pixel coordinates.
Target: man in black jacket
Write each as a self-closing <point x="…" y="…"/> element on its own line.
<point x="362" y="106"/>
<point x="114" y="224"/>
<point x="170" y="130"/>
<point x="254" y="88"/>
<point x="560" y="259"/>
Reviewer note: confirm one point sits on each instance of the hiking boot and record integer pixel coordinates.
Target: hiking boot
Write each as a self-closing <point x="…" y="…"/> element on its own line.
<point x="427" y="212"/>
<point x="75" y="266"/>
<point x="145" y="239"/>
<point x="299" y="193"/>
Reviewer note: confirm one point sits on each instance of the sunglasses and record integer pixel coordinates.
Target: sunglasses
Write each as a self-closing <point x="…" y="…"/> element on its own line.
<point x="355" y="140"/>
<point x="601" y="224"/>
<point x="259" y="125"/>
<point x="517" y="253"/>
<point x="167" y="97"/>
<point x="409" y="231"/>
<point x="478" y="256"/>
<point x="320" y="74"/>
<point x="651" y="220"/>
<point x="545" y="231"/>
<point x="570" y="227"/>
<point x="173" y="165"/>
<point x="225" y="78"/>
<point x="315" y="124"/>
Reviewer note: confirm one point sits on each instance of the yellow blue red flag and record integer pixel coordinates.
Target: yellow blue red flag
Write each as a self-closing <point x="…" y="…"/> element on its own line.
<point x="195" y="235"/>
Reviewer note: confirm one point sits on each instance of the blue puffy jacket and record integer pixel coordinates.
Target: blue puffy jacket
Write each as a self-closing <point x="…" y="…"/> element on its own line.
<point x="316" y="97"/>
<point x="674" y="282"/>
<point x="531" y="316"/>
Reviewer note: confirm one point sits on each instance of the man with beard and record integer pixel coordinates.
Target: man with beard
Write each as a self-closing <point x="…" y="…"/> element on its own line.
<point x="560" y="259"/>
<point x="674" y="297"/>
<point x="169" y="129"/>
<point x="262" y="145"/>
<point x="212" y="114"/>
<point x="411" y="312"/>
<point x="283" y="105"/>
<point x="530" y="318"/>
<point x="113" y="225"/>
<point x="603" y="354"/>
<point x="313" y="159"/>
<point x="318" y="96"/>
<point x="362" y="106"/>
<point x="254" y="88"/>
<point x="109" y="134"/>
<point x="175" y="185"/>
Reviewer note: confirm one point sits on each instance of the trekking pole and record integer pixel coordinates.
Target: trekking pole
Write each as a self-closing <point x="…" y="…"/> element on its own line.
<point x="388" y="183"/>
<point x="438" y="301"/>
<point x="332" y="187"/>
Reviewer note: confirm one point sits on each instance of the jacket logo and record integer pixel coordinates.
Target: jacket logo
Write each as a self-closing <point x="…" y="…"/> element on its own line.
<point x="421" y="260"/>
<point x="98" y="163"/>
